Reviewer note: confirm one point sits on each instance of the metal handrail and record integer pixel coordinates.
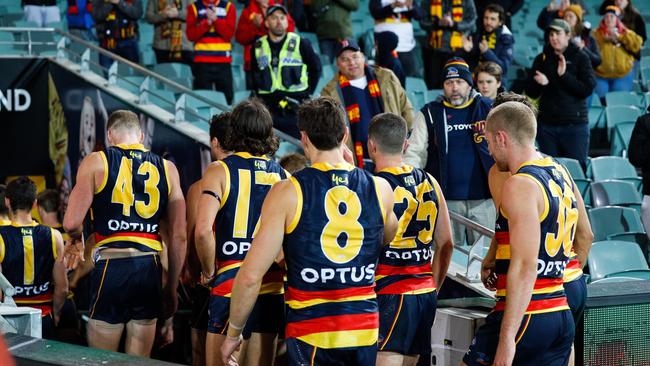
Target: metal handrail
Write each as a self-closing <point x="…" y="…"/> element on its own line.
<point x="473" y="251"/>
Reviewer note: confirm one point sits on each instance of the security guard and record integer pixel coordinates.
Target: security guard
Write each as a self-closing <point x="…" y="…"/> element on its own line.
<point x="285" y="70"/>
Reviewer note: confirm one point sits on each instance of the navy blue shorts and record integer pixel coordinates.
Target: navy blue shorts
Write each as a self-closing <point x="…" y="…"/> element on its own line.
<point x="303" y="354"/>
<point x="542" y="339"/>
<point x="405" y="323"/>
<point x="576" y="295"/>
<point x="200" y="298"/>
<point x="125" y="289"/>
<point x="267" y="315"/>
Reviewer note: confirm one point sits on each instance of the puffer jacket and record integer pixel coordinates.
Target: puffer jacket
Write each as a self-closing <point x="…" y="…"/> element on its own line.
<point x="617" y="60"/>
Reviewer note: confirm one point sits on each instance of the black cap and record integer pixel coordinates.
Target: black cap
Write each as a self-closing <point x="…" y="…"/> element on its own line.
<point x="347" y="44"/>
<point x="275" y="7"/>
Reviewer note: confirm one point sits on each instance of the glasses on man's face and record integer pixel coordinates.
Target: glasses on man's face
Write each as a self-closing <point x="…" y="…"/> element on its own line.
<point x="354" y="58"/>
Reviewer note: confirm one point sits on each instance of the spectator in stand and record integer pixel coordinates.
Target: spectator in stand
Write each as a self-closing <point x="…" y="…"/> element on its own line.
<point x="41" y="11"/>
<point x="251" y="27"/>
<point x="581" y="35"/>
<point x="333" y="24"/>
<point x="285" y="70"/>
<point x="554" y="10"/>
<point x="562" y="77"/>
<point x="169" y="41"/>
<point x="630" y="16"/>
<point x="493" y="42"/>
<point x="211" y="25"/>
<point x="387" y="57"/>
<point x="446" y="22"/>
<point x="510" y="7"/>
<point x="618" y="45"/>
<point x="639" y="155"/>
<point x="488" y="79"/>
<point x="365" y="91"/>
<point x="116" y="22"/>
<point x="396" y="16"/>
<point x="80" y="19"/>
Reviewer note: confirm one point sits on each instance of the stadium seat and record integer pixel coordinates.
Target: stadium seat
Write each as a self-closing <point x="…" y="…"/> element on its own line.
<point x="173" y="70"/>
<point x="213" y="96"/>
<point x="130" y="83"/>
<point x="615" y="193"/>
<point x="6" y="40"/>
<point x="433" y="94"/>
<point x="417" y="99"/>
<point x="640" y="238"/>
<point x="184" y="81"/>
<point x="240" y="95"/>
<point x="614" y="220"/>
<point x="623" y="98"/>
<point x="614" y="167"/>
<point x="620" y="113"/>
<point x="621" y="138"/>
<point x="595" y="116"/>
<point x="164" y="99"/>
<point x="611" y="258"/>
<point x="25" y="24"/>
<point x="578" y="175"/>
<point x="415" y="84"/>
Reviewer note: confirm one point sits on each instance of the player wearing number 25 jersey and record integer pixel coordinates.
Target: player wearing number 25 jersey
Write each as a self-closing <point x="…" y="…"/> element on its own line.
<point x="131" y="192"/>
<point x="407" y="276"/>
<point x="531" y="323"/>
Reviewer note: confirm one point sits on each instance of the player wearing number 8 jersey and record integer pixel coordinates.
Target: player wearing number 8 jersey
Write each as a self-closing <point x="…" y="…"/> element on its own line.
<point x="531" y="324"/>
<point x="407" y="277"/>
<point x="132" y="193"/>
<point x="231" y="199"/>
<point x="331" y="220"/>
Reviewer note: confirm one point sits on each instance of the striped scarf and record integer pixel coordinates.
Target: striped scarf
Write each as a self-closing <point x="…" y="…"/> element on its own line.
<point x="435" y="11"/>
<point x="173" y="30"/>
<point x="359" y="121"/>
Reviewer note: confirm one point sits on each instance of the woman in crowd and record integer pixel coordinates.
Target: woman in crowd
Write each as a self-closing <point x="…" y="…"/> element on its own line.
<point x="581" y="34"/>
<point x="488" y="79"/>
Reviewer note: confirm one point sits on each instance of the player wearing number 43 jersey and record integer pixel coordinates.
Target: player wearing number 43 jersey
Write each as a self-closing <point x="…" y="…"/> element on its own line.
<point x="134" y="195"/>
<point x="331" y="220"/>
<point x="407" y="276"/>
<point x="232" y="192"/>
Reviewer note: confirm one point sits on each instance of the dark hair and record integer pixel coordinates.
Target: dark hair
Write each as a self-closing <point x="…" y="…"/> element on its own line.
<point x="491" y="68"/>
<point x="496" y="8"/>
<point x="388" y="130"/>
<point x="514" y="97"/>
<point x="4" y="210"/>
<point x="294" y="162"/>
<point x="21" y="193"/>
<point x="251" y="129"/>
<point x="49" y="200"/>
<point x="323" y="120"/>
<point x="122" y="118"/>
<point x="629" y="15"/>
<point x="220" y="126"/>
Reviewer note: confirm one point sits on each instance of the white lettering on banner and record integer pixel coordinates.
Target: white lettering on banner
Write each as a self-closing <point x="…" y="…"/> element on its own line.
<point x="342" y="275"/>
<point x="16" y="100"/>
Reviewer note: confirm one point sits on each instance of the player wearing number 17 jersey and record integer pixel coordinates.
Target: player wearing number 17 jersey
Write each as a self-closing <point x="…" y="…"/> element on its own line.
<point x="331" y="219"/>
<point x="132" y="193"/>
<point x="407" y="277"/>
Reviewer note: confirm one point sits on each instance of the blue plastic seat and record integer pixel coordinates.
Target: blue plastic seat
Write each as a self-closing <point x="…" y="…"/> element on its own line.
<point x="615" y="193"/>
<point x="614" y="167"/>
<point x="614" y="220"/>
<point x="611" y="258"/>
<point x="620" y="140"/>
<point x="620" y="113"/>
<point x="624" y="98"/>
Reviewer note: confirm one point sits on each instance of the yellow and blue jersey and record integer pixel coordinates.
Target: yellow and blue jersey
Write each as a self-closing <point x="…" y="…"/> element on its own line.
<point x="405" y="265"/>
<point x="131" y="200"/>
<point x="331" y="248"/>
<point x="248" y="179"/>
<point x="558" y="223"/>
<point x="27" y="254"/>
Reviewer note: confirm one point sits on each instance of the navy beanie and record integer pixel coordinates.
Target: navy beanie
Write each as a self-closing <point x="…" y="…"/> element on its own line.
<point x="457" y="68"/>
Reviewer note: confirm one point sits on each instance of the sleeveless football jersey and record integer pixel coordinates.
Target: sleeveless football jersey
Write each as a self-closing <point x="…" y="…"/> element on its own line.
<point x="557" y="223"/>
<point x="130" y="202"/>
<point x="405" y="265"/>
<point x="27" y="254"/>
<point x="249" y="179"/>
<point x="331" y="250"/>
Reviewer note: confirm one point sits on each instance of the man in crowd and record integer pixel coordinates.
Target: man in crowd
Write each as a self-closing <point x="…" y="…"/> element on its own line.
<point x="132" y="192"/>
<point x="448" y="142"/>
<point x="407" y="283"/>
<point x="211" y="25"/>
<point x="80" y="19"/>
<point x="331" y="303"/>
<point x="170" y="43"/>
<point x="285" y="70"/>
<point x="116" y="22"/>
<point x="364" y="92"/>
<point x="562" y="77"/>
<point x="41" y="11"/>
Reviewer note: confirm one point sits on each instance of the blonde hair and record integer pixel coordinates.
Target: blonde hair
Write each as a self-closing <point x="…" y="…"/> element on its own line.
<point x="516" y="119"/>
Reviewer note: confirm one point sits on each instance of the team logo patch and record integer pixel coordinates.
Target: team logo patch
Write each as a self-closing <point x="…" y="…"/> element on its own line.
<point x="452" y="72"/>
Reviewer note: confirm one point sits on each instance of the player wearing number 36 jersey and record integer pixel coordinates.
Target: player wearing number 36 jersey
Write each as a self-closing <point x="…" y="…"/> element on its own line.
<point x="331" y="219"/>
<point x="132" y="192"/>
<point x="407" y="275"/>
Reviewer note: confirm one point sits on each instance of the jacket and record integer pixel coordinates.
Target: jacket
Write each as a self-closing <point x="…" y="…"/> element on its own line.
<point x="79" y="14"/>
<point x="466" y="26"/>
<point x="617" y="59"/>
<point x="501" y="54"/>
<point x="154" y="16"/>
<point x="563" y="100"/>
<point x="392" y="95"/>
<point x="211" y="42"/>
<point x="639" y="149"/>
<point x="129" y="11"/>
<point x="247" y="33"/>
<point x="428" y="142"/>
<point x="333" y="18"/>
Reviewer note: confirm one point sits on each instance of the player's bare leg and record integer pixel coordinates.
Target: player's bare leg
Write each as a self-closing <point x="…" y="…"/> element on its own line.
<point x="259" y="350"/>
<point x="140" y="335"/>
<point x="103" y="335"/>
<point x="395" y="359"/>
<point x="198" y="347"/>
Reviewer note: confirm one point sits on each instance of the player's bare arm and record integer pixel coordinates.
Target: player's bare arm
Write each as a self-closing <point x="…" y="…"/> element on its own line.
<point x="59" y="278"/>
<point x="387" y="202"/>
<point x="496" y="179"/>
<point x="192" y="204"/>
<point x="443" y="238"/>
<point x="212" y="187"/>
<point x="584" y="237"/>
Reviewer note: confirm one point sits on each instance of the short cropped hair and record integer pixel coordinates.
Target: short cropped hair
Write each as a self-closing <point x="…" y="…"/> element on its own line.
<point x="49" y="200"/>
<point x="389" y="131"/>
<point x="122" y="119"/>
<point x="4" y="210"/>
<point x="323" y="120"/>
<point x="496" y="8"/>
<point x="220" y="126"/>
<point x="514" y="97"/>
<point x="491" y="68"/>
<point x="294" y="162"/>
<point x="516" y="119"/>
<point x="251" y="129"/>
<point x="21" y="193"/>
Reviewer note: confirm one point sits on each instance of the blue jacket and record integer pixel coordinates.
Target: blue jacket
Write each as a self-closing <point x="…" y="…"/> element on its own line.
<point x="502" y="53"/>
<point x="437" y="157"/>
<point x="78" y="14"/>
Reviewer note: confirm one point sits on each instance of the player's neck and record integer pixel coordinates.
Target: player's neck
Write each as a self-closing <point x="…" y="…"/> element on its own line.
<point x="521" y="156"/>
<point x="50" y="219"/>
<point x="388" y="161"/>
<point x="330" y="156"/>
<point x="22" y="217"/>
<point x="5" y="218"/>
